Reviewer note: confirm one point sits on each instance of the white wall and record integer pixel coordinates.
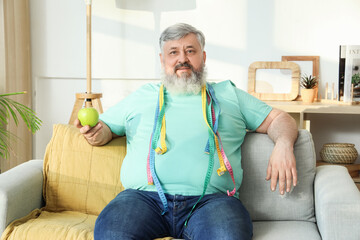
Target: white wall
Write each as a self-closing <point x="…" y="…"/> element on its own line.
<point x="125" y="48"/>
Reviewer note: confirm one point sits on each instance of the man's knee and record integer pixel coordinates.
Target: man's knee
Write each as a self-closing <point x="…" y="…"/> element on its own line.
<point x="220" y="217"/>
<point x="131" y="215"/>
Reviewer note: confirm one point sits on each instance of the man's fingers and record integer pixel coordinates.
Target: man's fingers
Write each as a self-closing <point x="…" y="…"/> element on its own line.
<point x="288" y="180"/>
<point x="77" y="123"/>
<point x="285" y="178"/>
<point x="282" y="179"/>
<point x="274" y="178"/>
<point x="268" y="173"/>
<point x="85" y="129"/>
<point x="97" y="135"/>
<point x="294" y="175"/>
<point x="93" y="131"/>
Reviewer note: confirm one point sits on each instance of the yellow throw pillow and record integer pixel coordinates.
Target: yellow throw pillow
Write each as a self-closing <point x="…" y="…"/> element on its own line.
<point x="78" y="176"/>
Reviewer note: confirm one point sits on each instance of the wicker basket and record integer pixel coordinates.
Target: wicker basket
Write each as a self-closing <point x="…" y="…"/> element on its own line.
<point x="343" y="153"/>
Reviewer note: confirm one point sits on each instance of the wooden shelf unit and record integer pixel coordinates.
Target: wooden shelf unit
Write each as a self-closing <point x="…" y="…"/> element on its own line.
<point x="300" y="110"/>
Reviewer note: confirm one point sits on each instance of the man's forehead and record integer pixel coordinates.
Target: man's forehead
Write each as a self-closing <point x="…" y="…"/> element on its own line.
<point x="188" y="41"/>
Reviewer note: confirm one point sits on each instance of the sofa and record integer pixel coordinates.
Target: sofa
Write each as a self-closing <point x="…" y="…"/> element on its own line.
<point x="60" y="197"/>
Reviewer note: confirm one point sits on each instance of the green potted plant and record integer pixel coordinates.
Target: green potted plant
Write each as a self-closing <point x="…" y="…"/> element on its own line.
<point x="10" y="109"/>
<point x="308" y="88"/>
<point x="355" y="79"/>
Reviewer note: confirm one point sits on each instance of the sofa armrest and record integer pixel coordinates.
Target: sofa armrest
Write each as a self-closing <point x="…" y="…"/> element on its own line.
<point x="337" y="204"/>
<point x="20" y="191"/>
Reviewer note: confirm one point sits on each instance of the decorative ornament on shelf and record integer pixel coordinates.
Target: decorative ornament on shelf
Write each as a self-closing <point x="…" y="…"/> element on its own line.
<point x="308" y="90"/>
<point x="331" y="98"/>
<point x="340" y="153"/>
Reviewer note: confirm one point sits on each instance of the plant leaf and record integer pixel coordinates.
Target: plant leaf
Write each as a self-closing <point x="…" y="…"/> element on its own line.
<point x="9" y="109"/>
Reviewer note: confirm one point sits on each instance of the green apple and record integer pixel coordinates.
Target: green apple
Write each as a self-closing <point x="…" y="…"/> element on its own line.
<point x="88" y="116"/>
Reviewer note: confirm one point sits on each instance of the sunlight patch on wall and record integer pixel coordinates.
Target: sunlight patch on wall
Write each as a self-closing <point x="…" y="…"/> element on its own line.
<point x="123" y="57"/>
<point x="135" y="18"/>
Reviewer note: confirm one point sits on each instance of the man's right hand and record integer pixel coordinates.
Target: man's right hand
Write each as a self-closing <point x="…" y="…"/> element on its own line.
<point x="98" y="135"/>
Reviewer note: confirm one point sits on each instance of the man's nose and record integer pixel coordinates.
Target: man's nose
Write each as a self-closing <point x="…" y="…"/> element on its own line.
<point x="183" y="57"/>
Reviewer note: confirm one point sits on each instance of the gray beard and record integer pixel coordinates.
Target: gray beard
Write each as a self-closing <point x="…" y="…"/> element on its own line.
<point x="185" y="84"/>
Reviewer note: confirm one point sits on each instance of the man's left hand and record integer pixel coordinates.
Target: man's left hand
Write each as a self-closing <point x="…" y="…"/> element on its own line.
<point x="282" y="167"/>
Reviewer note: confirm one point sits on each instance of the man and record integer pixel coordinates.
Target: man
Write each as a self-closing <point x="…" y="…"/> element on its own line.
<point x="183" y="163"/>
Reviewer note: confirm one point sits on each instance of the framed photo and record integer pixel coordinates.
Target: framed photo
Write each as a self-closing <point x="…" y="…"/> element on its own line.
<point x="315" y="66"/>
<point x="270" y="95"/>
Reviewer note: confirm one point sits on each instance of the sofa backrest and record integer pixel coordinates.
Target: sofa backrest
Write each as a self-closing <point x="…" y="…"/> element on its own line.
<point x="255" y="193"/>
<point x="84" y="178"/>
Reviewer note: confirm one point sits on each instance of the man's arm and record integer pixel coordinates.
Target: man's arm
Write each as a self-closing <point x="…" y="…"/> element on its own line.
<point x="282" y="129"/>
<point x="98" y="135"/>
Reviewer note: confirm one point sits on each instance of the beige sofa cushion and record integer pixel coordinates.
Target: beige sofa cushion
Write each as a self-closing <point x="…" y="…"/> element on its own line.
<point x="78" y="176"/>
<point x="44" y="225"/>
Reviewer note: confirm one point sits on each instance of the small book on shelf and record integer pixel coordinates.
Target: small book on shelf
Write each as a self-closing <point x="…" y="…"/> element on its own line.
<point x="349" y="73"/>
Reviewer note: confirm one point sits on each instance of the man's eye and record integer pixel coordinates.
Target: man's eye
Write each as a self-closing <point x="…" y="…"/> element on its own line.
<point x="172" y="52"/>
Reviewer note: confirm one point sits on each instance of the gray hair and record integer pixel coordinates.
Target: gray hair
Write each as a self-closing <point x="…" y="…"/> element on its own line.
<point x="178" y="31"/>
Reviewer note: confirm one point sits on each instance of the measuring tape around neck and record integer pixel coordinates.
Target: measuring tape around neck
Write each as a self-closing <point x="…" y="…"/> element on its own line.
<point x="159" y="131"/>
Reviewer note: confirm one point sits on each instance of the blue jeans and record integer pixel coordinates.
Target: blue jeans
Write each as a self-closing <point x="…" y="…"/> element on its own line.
<point x="136" y="215"/>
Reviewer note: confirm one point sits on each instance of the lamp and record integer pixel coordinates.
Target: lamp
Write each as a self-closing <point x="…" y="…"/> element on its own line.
<point x="91" y="99"/>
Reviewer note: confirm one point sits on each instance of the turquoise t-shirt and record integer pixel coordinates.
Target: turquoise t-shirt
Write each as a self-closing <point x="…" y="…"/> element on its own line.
<point x="182" y="169"/>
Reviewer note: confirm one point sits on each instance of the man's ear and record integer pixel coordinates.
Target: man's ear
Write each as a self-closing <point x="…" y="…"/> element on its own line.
<point x="204" y="56"/>
<point x="161" y="59"/>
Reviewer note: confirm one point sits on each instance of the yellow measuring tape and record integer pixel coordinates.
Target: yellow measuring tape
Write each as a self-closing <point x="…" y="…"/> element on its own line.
<point x="222" y="168"/>
<point x="163" y="148"/>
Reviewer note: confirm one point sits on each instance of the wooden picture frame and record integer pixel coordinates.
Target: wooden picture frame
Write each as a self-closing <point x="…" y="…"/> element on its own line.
<point x="315" y="60"/>
<point x="315" y="66"/>
<point x="295" y="80"/>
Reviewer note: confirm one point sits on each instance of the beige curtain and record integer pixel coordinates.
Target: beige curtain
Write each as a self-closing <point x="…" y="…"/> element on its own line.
<point x="15" y="72"/>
